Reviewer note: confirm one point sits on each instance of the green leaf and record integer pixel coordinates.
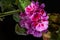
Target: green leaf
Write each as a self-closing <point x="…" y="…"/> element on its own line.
<point x="23" y="3"/>
<point x="19" y="30"/>
<point x="16" y="17"/>
<point x="58" y="34"/>
<point x="7" y="5"/>
<point x="54" y="36"/>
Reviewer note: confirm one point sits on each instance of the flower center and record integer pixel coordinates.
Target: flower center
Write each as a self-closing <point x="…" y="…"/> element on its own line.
<point x="36" y="17"/>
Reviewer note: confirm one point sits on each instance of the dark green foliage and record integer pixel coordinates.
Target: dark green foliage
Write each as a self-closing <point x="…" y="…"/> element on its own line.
<point x="16" y="17"/>
<point x="19" y="30"/>
<point x="7" y="5"/>
<point x="54" y="26"/>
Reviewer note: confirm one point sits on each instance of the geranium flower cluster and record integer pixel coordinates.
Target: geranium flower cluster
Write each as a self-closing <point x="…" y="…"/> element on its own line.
<point x="34" y="19"/>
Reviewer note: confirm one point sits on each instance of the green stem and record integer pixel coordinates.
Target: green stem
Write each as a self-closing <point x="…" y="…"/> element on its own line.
<point x="9" y="13"/>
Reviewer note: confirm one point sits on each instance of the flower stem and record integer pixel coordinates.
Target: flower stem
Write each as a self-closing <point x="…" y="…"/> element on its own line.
<point x="9" y="13"/>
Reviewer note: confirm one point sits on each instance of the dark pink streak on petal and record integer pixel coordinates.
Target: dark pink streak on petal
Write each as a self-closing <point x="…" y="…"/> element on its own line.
<point x="42" y="25"/>
<point x="36" y="17"/>
<point x="34" y="24"/>
<point x="42" y="11"/>
<point x="28" y="9"/>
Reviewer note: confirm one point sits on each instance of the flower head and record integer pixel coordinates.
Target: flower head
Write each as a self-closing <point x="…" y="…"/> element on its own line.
<point x="34" y="19"/>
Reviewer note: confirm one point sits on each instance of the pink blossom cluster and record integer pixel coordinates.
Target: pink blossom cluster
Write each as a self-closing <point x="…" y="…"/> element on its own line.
<point x="34" y="19"/>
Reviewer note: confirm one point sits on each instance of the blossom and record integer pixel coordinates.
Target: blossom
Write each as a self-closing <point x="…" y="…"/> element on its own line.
<point x="34" y="19"/>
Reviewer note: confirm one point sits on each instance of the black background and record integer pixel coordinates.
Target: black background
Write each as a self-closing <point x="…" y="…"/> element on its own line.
<point x="52" y="6"/>
<point x="7" y="27"/>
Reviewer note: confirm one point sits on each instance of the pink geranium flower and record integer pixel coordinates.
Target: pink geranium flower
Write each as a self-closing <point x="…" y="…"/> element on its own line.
<point x="34" y="19"/>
